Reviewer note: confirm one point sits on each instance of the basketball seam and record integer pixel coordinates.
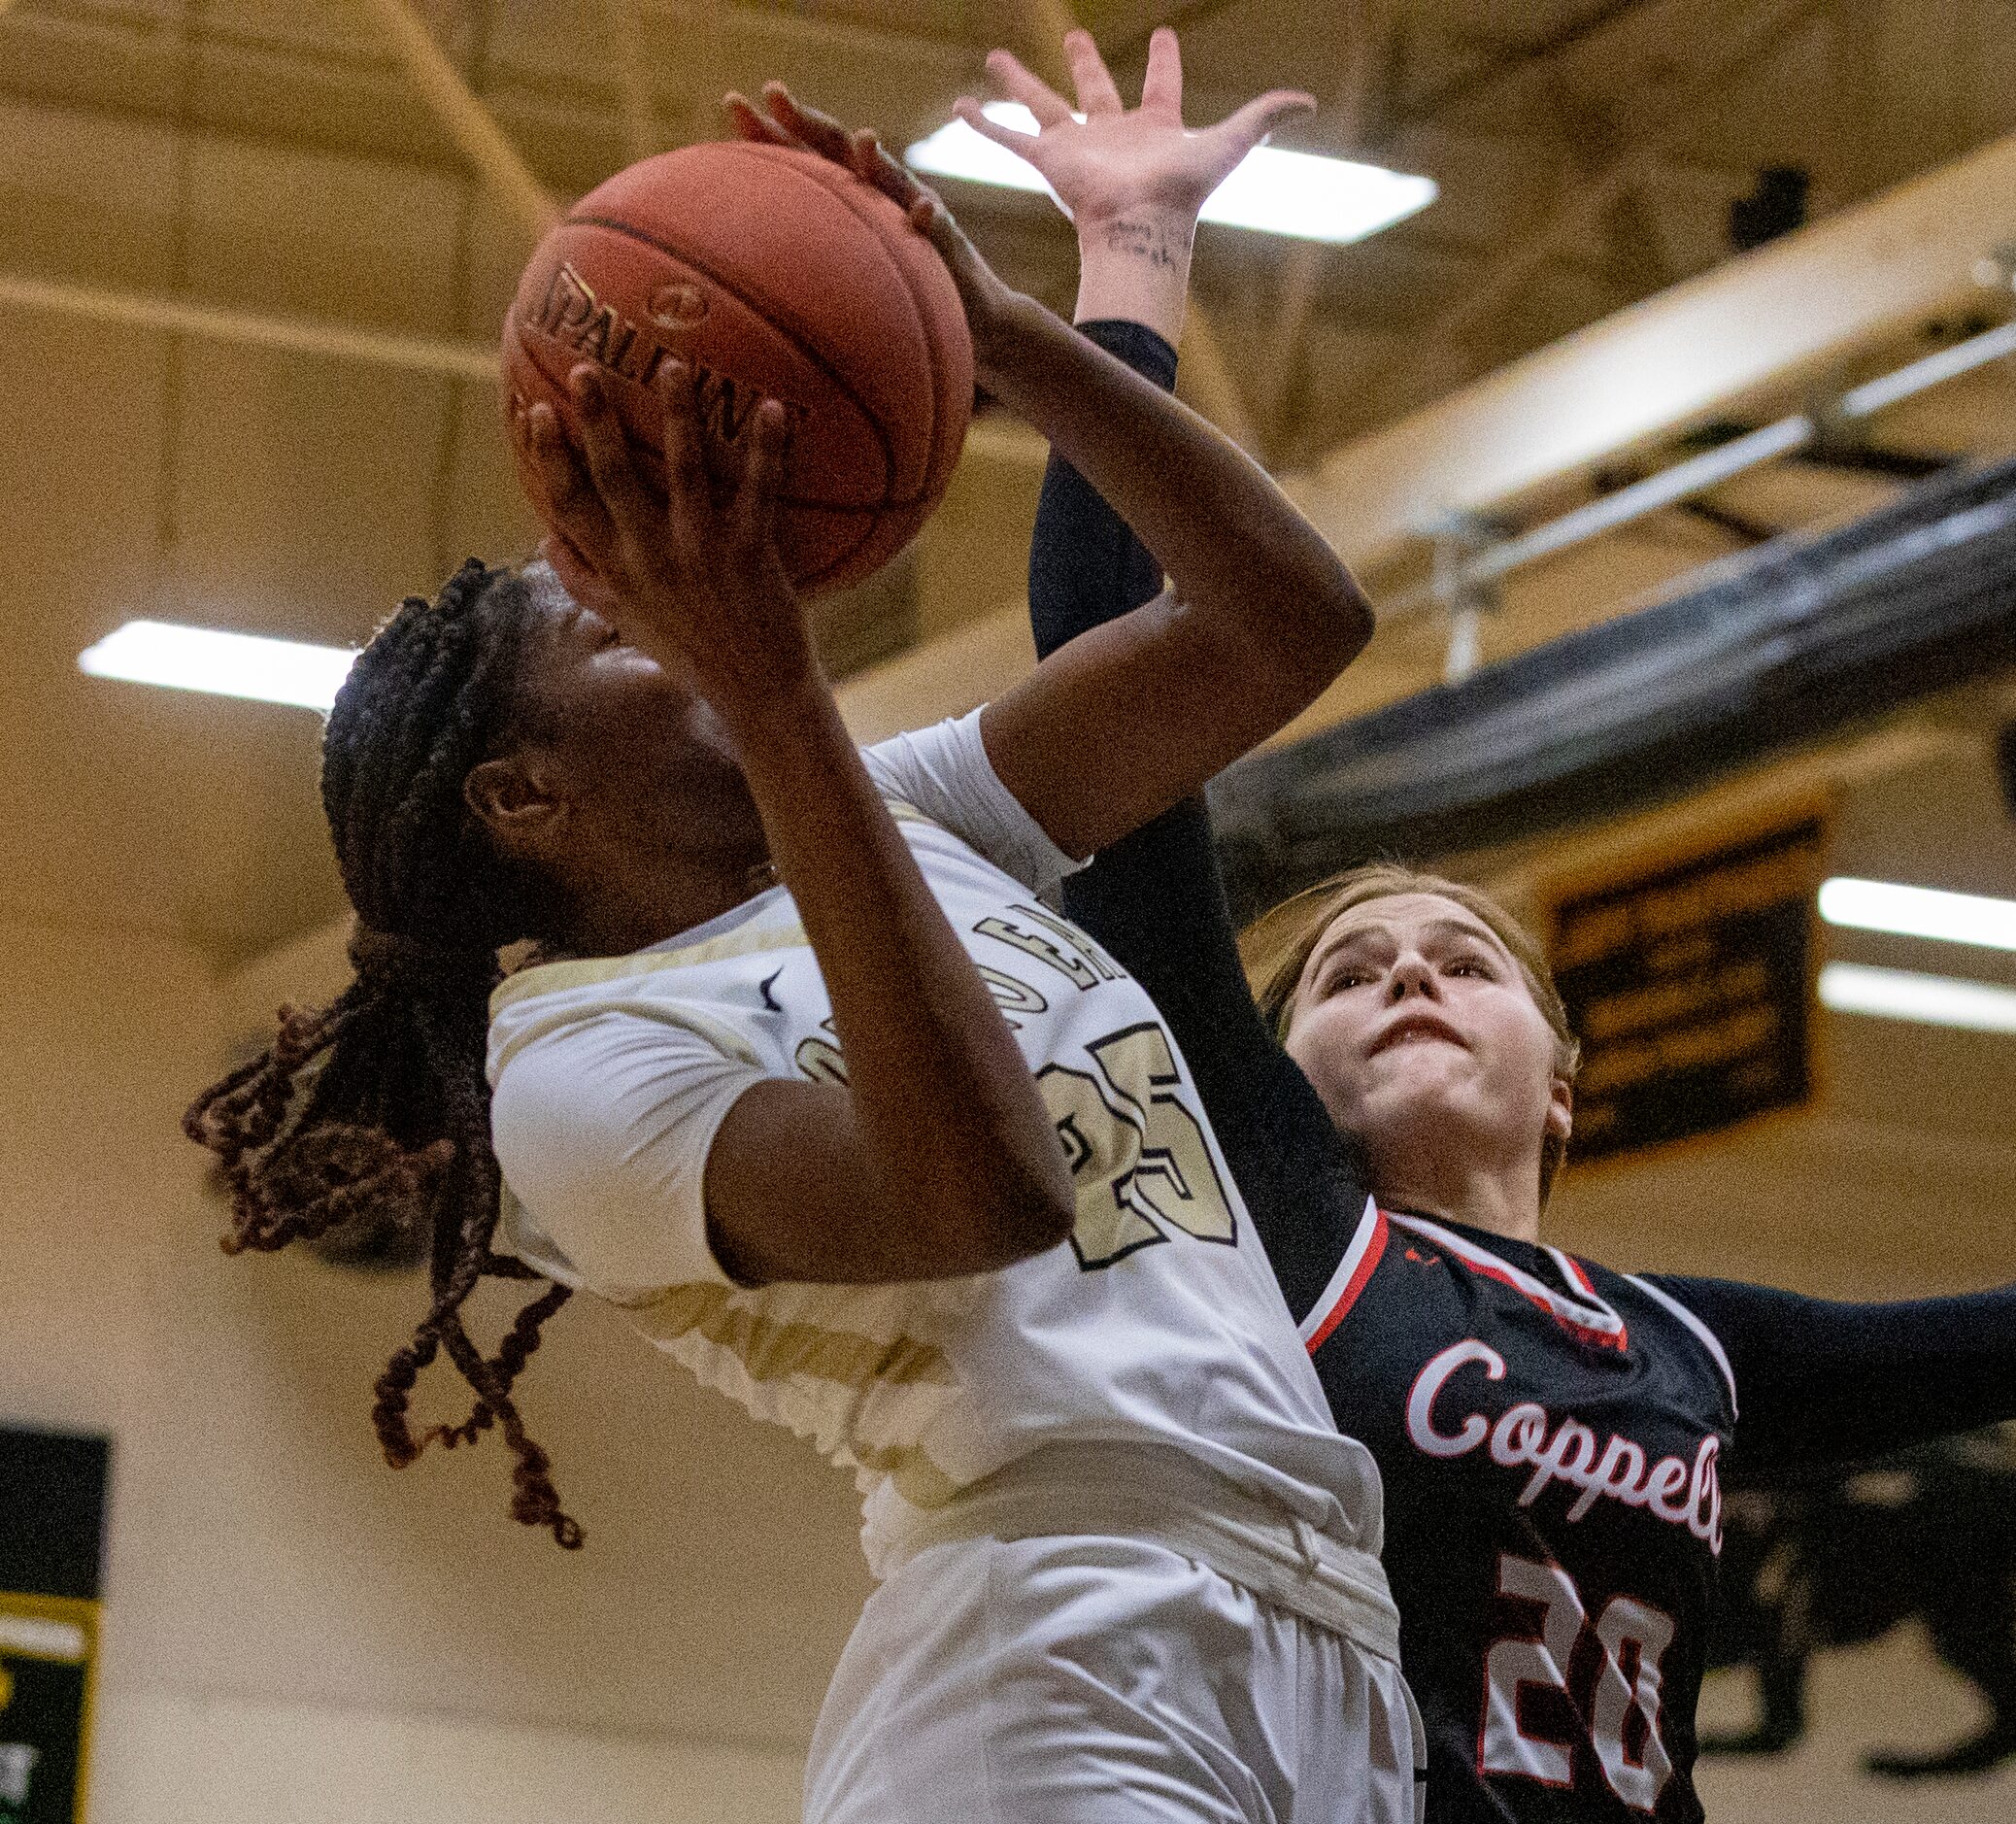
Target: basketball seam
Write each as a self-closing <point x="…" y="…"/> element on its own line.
<point x="796" y="337"/>
<point x="791" y="329"/>
<point x="916" y="315"/>
<point x="844" y="193"/>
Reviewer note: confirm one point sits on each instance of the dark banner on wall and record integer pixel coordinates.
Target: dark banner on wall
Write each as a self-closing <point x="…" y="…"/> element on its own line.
<point x="52" y="1489"/>
<point x="1689" y="982"/>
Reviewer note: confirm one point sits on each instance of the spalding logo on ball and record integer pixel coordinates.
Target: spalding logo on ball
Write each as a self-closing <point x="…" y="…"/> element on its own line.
<point x="771" y="272"/>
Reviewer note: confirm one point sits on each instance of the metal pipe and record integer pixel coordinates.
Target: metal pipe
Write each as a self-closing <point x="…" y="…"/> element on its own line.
<point x="1672" y="485"/>
<point x="1653" y="493"/>
<point x="1963" y="357"/>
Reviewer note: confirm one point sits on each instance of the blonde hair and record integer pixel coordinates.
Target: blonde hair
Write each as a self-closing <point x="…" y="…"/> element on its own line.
<point x="1276" y="948"/>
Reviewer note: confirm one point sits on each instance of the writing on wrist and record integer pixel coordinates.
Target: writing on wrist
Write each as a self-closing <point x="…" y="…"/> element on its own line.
<point x="1158" y="240"/>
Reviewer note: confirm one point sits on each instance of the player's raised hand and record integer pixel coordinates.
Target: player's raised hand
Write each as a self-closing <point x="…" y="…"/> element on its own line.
<point x="785" y="120"/>
<point x="1120" y="159"/>
<point x="694" y="580"/>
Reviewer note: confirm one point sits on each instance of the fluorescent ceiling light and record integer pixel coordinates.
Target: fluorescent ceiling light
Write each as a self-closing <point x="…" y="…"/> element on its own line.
<point x="228" y="664"/>
<point x="1277" y="192"/>
<point x="1905" y="995"/>
<point x="1886" y="905"/>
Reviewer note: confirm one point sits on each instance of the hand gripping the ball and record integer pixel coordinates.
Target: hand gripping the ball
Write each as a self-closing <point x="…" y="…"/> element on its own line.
<point x="990" y="304"/>
<point x="697" y="583"/>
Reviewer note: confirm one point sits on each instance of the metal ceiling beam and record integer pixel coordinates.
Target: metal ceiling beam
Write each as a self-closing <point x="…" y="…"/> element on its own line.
<point x="1593" y="195"/>
<point x="1763" y="326"/>
<point x="138" y="58"/>
<point x="1769" y="321"/>
<point x="992" y="438"/>
<point x="173" y="315"/>
<point x="626" y="20"/>
<point x="467" y="122"/>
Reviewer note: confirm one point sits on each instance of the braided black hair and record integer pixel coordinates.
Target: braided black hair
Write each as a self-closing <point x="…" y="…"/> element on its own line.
<point x="379" y="1102"/>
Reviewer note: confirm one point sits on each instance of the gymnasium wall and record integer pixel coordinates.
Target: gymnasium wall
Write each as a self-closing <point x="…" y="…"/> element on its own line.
<point x="293" y="1633"/>
<point x="1893" y="1695"/>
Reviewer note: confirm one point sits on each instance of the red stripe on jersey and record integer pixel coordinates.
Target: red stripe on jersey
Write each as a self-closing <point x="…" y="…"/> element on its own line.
<point x="1367" y="1248"/>
<point x="1570" y="1265"/>
<point x="1594" y="1322"/>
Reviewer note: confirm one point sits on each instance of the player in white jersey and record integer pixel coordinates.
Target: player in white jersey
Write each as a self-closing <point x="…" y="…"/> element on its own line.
<point x="1136" y="1383"/>
<point x="788" y="1088"/>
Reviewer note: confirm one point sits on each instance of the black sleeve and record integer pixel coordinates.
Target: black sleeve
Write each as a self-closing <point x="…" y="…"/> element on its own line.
<point x="1819" y="1383"/>
<point x="1156" y="901"/>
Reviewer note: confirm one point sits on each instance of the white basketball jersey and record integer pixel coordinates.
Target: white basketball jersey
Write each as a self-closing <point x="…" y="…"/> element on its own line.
<point x="1159" y="1322"/>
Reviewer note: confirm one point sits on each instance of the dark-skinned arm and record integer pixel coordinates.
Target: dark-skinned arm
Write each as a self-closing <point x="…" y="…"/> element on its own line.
<point x="938" y="1158"/>
<point x="1155" y="900"/>
<point x="1133" y="181"/>
<point x="1260" y="618"/>
<point x="1137" y="715"/>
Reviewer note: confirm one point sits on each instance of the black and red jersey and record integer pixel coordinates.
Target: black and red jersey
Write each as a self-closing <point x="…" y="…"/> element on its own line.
<point x="1550" y="1434"/>
<point x="1550" y="1437"/>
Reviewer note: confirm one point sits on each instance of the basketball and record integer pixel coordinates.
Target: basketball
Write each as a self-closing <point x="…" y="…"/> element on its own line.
<point x="773" y="273"/>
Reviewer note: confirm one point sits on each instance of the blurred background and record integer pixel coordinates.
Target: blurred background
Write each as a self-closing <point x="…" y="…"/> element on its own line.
<point x="1674" y="439"/>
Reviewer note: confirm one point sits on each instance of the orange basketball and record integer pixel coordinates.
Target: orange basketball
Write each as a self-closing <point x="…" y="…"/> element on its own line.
<point x="771" y="272"/>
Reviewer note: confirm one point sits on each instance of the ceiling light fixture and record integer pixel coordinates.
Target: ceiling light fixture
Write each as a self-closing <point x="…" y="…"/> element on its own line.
<point x="1888" y="905"/>
<point x="226" y="664"/>
<point x="1905" y="995"/>
<point x="1274" y="191"/>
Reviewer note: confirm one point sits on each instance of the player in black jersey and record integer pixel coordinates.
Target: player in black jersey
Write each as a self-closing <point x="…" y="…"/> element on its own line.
<point x="1550" y="1434"/>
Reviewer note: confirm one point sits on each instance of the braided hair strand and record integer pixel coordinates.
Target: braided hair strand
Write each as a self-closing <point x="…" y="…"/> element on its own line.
<point x="378" y="1103"/>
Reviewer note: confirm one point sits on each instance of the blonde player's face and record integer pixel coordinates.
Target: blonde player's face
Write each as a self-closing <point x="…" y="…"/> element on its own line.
<point x="1415" y="1025"/>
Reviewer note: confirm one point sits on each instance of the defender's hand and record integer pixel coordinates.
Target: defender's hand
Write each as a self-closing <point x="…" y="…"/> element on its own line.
<point x="1119" y="161"/>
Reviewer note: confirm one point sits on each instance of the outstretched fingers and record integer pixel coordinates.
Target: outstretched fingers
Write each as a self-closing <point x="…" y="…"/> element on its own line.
<point x="815" y="130"/>
<point x="751" y="123"/>
<point x="752" y="516"/>
<point x="1241" y="130"/>
<point x="625" y="499"/>
<point x="1090" y="76"/>
<point x="689" y="490"/>
<point x="880" y="169"/>
<point x="974" y="113"/>
<point x="929" y="216"/>
<point x="1161" y="86"/>
<point x="1019" y="84"/>
<point x="570" y="504"/>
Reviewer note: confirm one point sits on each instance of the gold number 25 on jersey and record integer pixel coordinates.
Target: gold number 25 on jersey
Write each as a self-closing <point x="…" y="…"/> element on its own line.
<point x="1138" y="1156"/>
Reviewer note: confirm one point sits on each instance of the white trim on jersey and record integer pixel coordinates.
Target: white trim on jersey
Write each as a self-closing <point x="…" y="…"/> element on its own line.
<point x="1570" y="1269"/>
<point x="1594" y="1316"/>
<point x="1709" y="1340"/>
<point x="1333" y="1294"/>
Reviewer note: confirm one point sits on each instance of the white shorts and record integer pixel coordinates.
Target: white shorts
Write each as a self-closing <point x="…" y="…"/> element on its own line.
<point x="1069" y="1680"/>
